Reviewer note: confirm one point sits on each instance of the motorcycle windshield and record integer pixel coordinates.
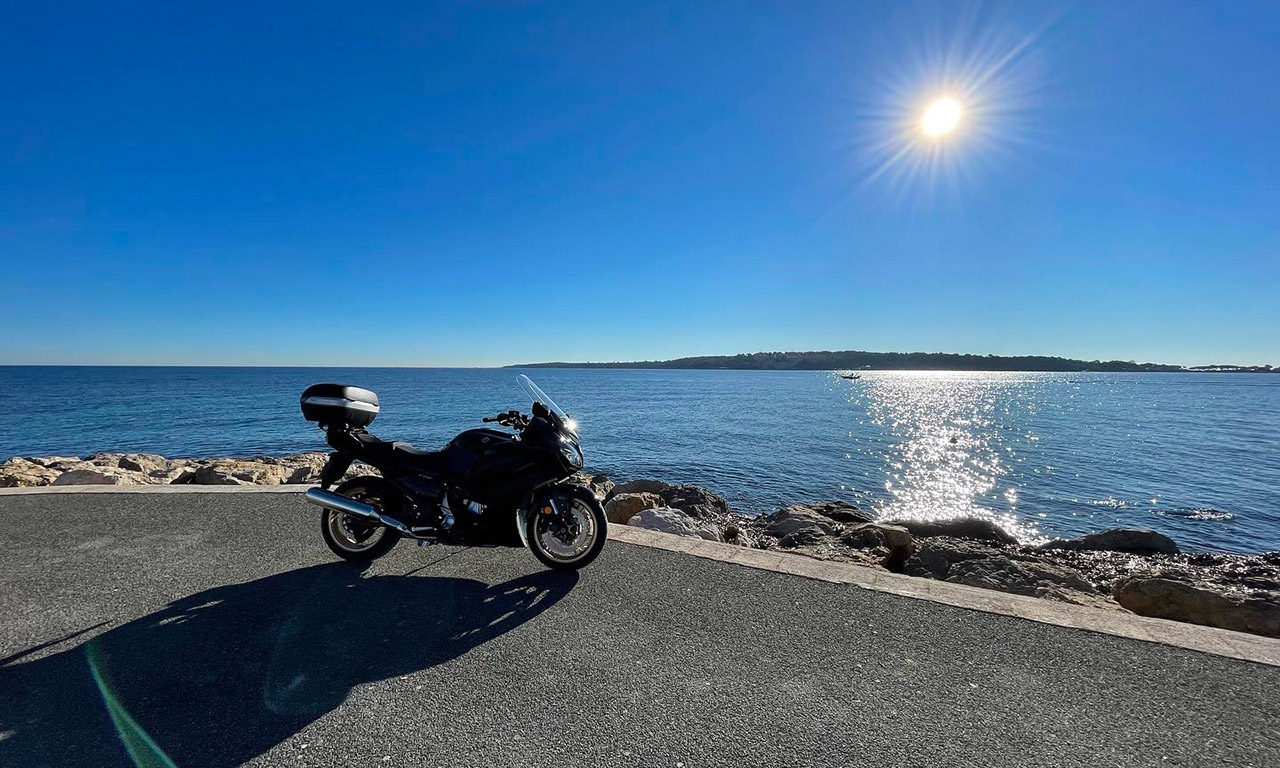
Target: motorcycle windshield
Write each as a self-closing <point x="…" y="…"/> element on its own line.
<point x="538" y="395"/>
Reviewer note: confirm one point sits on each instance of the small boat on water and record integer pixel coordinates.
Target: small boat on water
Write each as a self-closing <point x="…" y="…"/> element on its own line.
<point x="850" y="376"/>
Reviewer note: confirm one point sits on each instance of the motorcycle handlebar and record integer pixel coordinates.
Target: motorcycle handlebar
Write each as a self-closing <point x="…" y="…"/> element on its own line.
<point x="509" y="419"/>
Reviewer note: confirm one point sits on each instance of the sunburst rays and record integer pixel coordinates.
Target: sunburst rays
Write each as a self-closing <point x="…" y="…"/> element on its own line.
<point x="980" y="78"/>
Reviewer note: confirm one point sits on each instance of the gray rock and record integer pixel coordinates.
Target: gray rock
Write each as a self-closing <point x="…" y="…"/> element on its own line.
<point x="143" y="462"/>
<point x="1021" y="577"/>
<point x="623" y="506"/>
<point x="25" y="473"/>
<point x="828" y="516"/>
<point x="839" y="511"/>
<point x="600" y="485"/>
<point x="236" y="472"/>
<point x="55" y="462"/>
<point x="103" y="459"/>
<point x="297" y="468"/>
<point x="977" y="528"/>
<point x="91" y="475"/>
<point x="808" y="536"/>
<point x="639" y="486"/>
<point x="895" y="539"/>
<point x="934" y="556"/>
<point x="668" y="520"/>
<point x="734" y="533"/>
<point x="696" y="501"/>
<point x="788" y="520"/>
<point x="1138" y="541"/>
<point x="1169" y="596"/>
<point x="303" y="468"/>
<point x="167" y="476"/>
<point x="975" y="564"/>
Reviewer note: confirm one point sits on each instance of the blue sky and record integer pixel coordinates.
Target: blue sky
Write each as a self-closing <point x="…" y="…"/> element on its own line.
<point x="492" y="183"/>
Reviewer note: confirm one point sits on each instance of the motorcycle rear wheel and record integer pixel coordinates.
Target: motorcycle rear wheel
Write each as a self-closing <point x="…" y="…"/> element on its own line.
<point x="353" y="538"/>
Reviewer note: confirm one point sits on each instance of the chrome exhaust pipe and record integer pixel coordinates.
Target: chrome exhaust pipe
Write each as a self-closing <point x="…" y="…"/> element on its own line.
<point x="332" y="501"/>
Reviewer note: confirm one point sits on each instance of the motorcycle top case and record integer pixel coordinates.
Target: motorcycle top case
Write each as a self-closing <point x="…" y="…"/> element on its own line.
<point x="339" y="404"/>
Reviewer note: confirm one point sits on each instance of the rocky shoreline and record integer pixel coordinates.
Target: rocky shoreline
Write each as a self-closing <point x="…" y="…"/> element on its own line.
<point x="153" y="469"/>
<point x="1120" y="569"/>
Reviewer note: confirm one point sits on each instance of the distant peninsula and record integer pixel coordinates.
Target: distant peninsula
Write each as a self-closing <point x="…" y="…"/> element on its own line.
<point x="904" y="361"/>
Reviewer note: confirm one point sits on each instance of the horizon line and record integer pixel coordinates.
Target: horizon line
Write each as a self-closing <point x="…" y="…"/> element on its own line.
<point x="634" y="364"/>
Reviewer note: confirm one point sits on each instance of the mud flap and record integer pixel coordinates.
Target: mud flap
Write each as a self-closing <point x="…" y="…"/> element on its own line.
<point x="531" y="504"/>
<point x="522" y="526"/>
<point x="335" y="468"/>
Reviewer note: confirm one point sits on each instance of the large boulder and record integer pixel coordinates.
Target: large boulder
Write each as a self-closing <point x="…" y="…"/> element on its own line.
<point x="600" y="485"/>
<point x="668" y="520"/>
<point x="1168" y="595"/>
<point x="976" y="564"/>
<point x="696" y="501"/>
<point x="54" y="462"/>
<point x="828" y="517"/>
<point x="1022" y="577"/>
<point x="175" y="469"/>
<point x="25" y="473"/>
<point x="298" y="468"/>
<point x="1137" y="541"/>
<point x="934" y="556"/>
<point x="803" y="538"/>
<point x="235" y="472"/>
<point x="894" y="539"/>
<point x="303" y="468"/>
<point x="976" y="528"/>
<point x="839" y="511"/>
<point x="639" y="486"/>
<point x="101" y="475"/>
<point x="622" y="507"/>
<point x="147" y="463"/>
<point x="788" y="520"/>
<point x="104" y="459"/>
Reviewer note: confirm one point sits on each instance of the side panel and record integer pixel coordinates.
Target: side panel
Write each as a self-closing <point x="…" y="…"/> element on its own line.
<point x="506" y="473"/>
<point x="467" y="449"/>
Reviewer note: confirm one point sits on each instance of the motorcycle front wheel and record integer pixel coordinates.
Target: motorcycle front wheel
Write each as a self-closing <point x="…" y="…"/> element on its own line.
<point x="571" y="539"/>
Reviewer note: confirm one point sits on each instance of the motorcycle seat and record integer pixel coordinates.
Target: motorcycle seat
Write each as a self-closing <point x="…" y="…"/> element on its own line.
<point x="381" y="451"/>
<point x="427" y="461"/>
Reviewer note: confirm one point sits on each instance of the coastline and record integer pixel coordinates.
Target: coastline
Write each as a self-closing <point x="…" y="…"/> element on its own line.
<point x="862" y="360"/>
<point x="1125" y="570"/>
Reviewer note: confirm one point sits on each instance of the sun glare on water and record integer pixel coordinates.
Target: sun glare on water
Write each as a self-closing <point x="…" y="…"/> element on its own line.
<point x="941" y="117"/>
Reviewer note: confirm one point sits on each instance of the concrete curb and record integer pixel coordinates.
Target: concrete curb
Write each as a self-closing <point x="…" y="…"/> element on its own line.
<point x="1220" y="642"/>
<point x="56" y="489"/>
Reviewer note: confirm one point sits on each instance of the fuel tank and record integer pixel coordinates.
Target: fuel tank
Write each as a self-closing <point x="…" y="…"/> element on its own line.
<point x="464" y="450"/>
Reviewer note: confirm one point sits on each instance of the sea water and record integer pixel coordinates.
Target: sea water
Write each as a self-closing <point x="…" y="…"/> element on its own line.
<point x="1196" y="456"/>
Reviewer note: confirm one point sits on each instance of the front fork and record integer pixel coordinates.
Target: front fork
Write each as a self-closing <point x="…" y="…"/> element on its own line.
<point x="539" y="497"/>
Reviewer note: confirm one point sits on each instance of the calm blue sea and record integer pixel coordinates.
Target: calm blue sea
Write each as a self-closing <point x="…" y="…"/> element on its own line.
<point x="1196" y="456"/>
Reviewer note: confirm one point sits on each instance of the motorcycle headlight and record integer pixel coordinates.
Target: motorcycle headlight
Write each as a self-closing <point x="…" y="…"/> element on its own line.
<point x="571" y="453"/>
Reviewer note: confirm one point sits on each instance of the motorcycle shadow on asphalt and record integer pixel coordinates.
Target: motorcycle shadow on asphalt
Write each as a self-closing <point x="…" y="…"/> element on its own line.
<point x="221" y="676"/>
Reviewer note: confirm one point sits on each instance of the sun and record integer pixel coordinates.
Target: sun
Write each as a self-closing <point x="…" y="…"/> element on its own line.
<point x="960" y="101"/>
<point x="941" y="117"/>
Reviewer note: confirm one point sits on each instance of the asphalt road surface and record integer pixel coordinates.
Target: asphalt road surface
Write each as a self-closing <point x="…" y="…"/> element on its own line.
<point x="222" y="632"/>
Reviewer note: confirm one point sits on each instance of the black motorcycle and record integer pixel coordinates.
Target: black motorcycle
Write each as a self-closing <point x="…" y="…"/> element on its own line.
<point x="487" y="487"/>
